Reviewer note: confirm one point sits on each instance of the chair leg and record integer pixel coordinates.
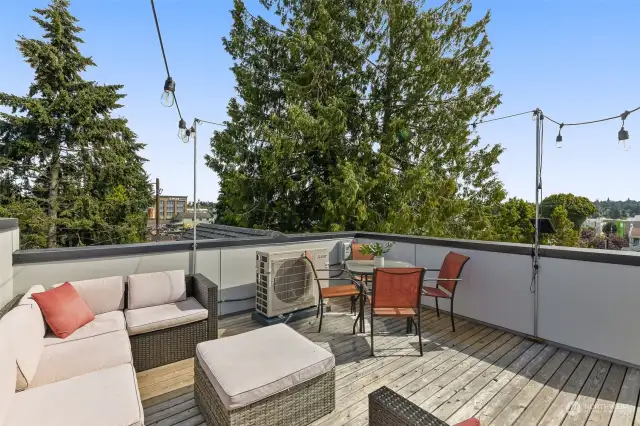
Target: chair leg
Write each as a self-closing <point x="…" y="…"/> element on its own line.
<point x="318" y="310"/>
<point x="321" y="315"/>
<point x="416" y="324"/>
<point x="419" y="335"/>
<point x="453" y="326"/>
<point x="372" y="332"/>
<point x="437" y="309"/>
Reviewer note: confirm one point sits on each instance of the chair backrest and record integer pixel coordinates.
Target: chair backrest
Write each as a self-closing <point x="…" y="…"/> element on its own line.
<point x="356" y="255"/>
<point x="308" y="258"/>
<point x="397" y="287"/>
<point x="451" y="269"/>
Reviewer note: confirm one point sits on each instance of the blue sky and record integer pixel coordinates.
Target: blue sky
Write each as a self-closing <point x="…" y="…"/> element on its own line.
<point x="575" y="59"/>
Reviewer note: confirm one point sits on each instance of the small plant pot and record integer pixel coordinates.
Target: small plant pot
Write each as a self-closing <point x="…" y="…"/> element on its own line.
<point x="378" y="261"/>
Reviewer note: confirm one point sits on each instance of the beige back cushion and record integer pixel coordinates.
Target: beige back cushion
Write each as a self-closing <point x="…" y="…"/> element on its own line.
<point x="7" y="373"/>
<point x="27" y="300"/>
<point x="102" y="295"/>
<point x="156" y="288"/>
<point x="21" y="326"/>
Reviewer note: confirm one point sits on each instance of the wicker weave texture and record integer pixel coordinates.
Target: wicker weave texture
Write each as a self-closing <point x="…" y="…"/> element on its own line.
<point x="162" y="347"/>
<point x="297" y="406"/>
<point x="388" y="408"/>
<point x="174" y="344"/>
<point x="10" y="305"/>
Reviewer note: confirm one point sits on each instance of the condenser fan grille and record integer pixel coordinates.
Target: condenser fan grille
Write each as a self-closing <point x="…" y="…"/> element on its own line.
<point x="290" y="281"/>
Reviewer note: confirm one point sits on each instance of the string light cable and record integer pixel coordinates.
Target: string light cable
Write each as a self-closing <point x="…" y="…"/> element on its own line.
<point x="168" y="97"/>
<point x="623" y="134"/>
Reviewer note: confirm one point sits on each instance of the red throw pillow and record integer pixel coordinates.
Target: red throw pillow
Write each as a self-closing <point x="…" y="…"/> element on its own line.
<point x="63" y="309"/>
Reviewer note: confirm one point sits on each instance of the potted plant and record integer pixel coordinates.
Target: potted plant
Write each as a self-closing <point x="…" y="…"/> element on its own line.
<point x="377" y="250"/>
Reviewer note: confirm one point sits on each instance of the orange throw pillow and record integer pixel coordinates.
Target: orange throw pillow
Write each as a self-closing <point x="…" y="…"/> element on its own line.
<point x="63" y="309"/>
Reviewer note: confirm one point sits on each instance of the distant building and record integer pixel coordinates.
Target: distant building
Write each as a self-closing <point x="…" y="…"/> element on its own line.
<point x="170" y="206"/>
<point x="634" y="237"/>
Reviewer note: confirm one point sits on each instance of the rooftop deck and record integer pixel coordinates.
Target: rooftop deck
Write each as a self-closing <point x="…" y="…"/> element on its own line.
<point x="498" y="377"/>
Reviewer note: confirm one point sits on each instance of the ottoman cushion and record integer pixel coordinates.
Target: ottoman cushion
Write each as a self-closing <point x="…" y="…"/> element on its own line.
<point x="251" y="366"/>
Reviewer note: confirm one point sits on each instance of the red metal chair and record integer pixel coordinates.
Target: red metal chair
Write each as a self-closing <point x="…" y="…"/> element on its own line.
<point x="447" y="280"/>
<point x="351" y="290"/>
<point x="396" y="293"/>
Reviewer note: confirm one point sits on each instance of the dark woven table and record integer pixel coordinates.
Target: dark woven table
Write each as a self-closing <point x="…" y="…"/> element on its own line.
<point x="388" y="408"/>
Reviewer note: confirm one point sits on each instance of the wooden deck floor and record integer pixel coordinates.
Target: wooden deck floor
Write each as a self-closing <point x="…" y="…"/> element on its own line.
<point x="478" y="371"/>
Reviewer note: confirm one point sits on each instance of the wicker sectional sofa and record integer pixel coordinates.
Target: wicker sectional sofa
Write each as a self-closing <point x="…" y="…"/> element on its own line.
<point x="90" y="376"/>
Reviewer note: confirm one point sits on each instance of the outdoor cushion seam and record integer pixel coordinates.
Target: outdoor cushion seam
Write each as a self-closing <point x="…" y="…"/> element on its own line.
<point x="266" y="384"/>
<point x="83" y="338"/>
<point x="275" y="393"/>
<point x="155" y="322"/>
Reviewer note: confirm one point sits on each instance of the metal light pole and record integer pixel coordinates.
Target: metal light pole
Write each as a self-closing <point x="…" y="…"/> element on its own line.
<point x="194" y="132"/>
<point x="536" y="248"/>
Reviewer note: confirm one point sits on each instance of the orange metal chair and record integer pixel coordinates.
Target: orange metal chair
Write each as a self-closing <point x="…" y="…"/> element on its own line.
<point x="356" y="255"/>
<point x="396" y="293"/>
<point x="355" y="252"/>
<point x="447" y="280"/>
<point x="351" y="290"/>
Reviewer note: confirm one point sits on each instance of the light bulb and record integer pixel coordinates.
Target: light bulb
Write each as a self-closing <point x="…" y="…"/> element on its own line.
<point x="623" y="136"/>
<point x="559" y="137"/>
<point x="168" y="97"/>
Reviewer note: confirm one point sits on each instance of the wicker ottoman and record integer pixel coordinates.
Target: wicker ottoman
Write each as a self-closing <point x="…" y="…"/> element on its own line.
<point x="269" y="376"/>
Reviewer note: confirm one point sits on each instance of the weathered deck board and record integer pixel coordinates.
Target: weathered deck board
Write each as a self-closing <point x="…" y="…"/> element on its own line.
<point x="475" y="371"/>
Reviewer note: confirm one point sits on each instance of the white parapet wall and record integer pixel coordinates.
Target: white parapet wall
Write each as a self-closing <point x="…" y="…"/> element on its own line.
<point x="587" y="299"/>
<point x="9" y="242"/>
<point x="231" y="267"/>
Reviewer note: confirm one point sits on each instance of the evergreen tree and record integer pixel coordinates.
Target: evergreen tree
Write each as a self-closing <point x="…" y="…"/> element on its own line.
<point x="322" y="137"/>
<point x="70" y="170"/>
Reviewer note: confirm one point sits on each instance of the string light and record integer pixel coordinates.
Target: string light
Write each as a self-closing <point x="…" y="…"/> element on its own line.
<point x="559" y="137"/>
<point x="168" y="95"/>
<point x="182" y="130"/>
<point x="623" y="134"/>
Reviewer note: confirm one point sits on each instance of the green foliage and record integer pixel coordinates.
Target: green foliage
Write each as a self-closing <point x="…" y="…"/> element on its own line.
<point x="610" y="228"/>
<point x="565" y="234"/>
<point x="376" y="249"/>
<point x="321" y="139"/>
<point x="578" y="208"/>
<point x="589" y="239"/>
<point x="69" y="170"/>
<point x="617" y="209"/>
<point x="512" y="221"/>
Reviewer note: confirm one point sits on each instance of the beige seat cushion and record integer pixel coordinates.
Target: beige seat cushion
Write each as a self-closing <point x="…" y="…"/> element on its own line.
<point x="21" y="328"/>
<point x="154" y="318"/>
<point x="156" y="288"/>
<point x="107" y="397"/>
<point x="251" y="366"/>
<point x="103" y="323"/>
<point x="8" y="372"/>
<point x="71" y="359"/>
<point x="101" y="294"/>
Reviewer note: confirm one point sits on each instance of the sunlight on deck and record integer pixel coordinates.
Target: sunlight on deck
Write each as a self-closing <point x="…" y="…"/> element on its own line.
<point x="478" y="371"/>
